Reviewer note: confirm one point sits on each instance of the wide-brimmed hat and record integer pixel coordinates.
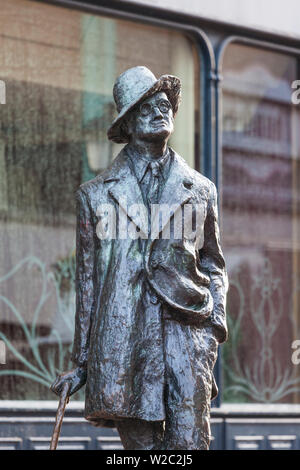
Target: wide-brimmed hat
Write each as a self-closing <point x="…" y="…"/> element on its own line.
<point x="133" y="86"/>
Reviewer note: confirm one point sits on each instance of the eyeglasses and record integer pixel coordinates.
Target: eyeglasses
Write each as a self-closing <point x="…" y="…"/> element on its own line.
<point x="146" y="108"/>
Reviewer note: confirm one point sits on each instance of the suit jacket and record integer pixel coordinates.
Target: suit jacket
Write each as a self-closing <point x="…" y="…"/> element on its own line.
<point x="118" y="333"/>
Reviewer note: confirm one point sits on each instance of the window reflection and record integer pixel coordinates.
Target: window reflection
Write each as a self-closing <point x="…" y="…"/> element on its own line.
<point x="260" y="225"/>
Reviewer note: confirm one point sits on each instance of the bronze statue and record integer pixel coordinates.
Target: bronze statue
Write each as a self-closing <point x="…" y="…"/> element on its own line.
<point x="151" y="287"/>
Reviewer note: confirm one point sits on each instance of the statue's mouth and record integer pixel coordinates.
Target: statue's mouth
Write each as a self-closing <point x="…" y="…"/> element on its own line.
<point x="159" y="123"/>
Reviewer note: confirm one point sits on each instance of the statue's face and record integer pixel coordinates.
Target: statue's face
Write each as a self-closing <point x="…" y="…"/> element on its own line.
<point x="152" y="120"/>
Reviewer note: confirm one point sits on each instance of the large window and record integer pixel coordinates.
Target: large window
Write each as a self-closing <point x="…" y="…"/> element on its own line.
<point x="59" y="67"/>
<point x="260" y="225"/>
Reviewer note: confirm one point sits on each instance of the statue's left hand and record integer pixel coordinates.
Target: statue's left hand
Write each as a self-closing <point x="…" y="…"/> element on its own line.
<point x="76" y="378"/>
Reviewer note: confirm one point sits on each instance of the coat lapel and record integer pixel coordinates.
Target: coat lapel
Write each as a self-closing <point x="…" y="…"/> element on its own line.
<point x="176" y="192"/>
<point x="125" y="189"/>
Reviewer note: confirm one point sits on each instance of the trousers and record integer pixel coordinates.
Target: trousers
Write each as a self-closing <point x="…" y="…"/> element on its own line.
<point x="190" y="353"/>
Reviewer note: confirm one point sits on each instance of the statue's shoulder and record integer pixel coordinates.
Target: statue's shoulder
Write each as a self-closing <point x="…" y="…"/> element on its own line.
<point x="96" y="186"/>
<point x="199" y="180"/>
<point x="91" y="187"/>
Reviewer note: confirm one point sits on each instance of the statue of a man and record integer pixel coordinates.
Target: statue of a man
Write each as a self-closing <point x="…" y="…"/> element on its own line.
<point x="150" y="303"/>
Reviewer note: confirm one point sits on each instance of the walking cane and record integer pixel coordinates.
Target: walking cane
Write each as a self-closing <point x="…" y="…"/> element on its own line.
<point x="63" y="401"/>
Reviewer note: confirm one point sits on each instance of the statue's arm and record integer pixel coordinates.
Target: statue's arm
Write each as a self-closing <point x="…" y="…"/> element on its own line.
<point x="76" y="377"/>
<point x="85" y="254"/>
<point x="212" y="261"/>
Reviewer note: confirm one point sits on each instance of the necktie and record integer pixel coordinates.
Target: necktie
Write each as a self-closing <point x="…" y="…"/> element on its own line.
<point x="153" y="187"/>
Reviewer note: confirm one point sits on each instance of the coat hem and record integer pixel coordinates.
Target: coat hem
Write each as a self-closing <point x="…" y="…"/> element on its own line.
<point x="103" y="419"/>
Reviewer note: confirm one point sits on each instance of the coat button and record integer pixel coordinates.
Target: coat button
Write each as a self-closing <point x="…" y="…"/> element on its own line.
<point x="154" y="299"/>
<point x="187" y="184"/>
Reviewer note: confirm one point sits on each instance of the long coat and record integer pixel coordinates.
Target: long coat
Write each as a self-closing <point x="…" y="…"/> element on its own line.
<point x="118" y="330"/>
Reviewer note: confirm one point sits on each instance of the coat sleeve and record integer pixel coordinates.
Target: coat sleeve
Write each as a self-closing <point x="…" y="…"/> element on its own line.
<point x="85" y="253"/>
<point x="212" y="261"/>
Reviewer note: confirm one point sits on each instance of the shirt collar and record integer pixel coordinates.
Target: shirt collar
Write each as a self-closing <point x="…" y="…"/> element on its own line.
<point x="140" y="164"/>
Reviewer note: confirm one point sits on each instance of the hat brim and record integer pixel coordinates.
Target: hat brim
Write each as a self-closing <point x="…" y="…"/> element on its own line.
<point x="168" y="83"/>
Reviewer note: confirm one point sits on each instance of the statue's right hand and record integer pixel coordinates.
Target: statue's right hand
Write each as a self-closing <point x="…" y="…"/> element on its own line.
<point x="76" y="378"/>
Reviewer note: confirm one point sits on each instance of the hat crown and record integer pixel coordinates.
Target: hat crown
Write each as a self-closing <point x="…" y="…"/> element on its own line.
<point x="131" y="85"/>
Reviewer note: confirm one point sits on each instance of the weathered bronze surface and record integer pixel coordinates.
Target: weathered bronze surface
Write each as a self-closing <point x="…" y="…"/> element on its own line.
<point x="150" y="305"/>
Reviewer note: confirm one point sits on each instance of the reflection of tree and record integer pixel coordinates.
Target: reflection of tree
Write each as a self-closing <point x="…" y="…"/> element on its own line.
<point x="263" y="378"/>
<point x="44" y="356"/>
<point x="46" y="136"/>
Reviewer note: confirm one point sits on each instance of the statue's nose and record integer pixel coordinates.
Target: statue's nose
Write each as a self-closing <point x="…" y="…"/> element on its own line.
<point x="157" y="112"/>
